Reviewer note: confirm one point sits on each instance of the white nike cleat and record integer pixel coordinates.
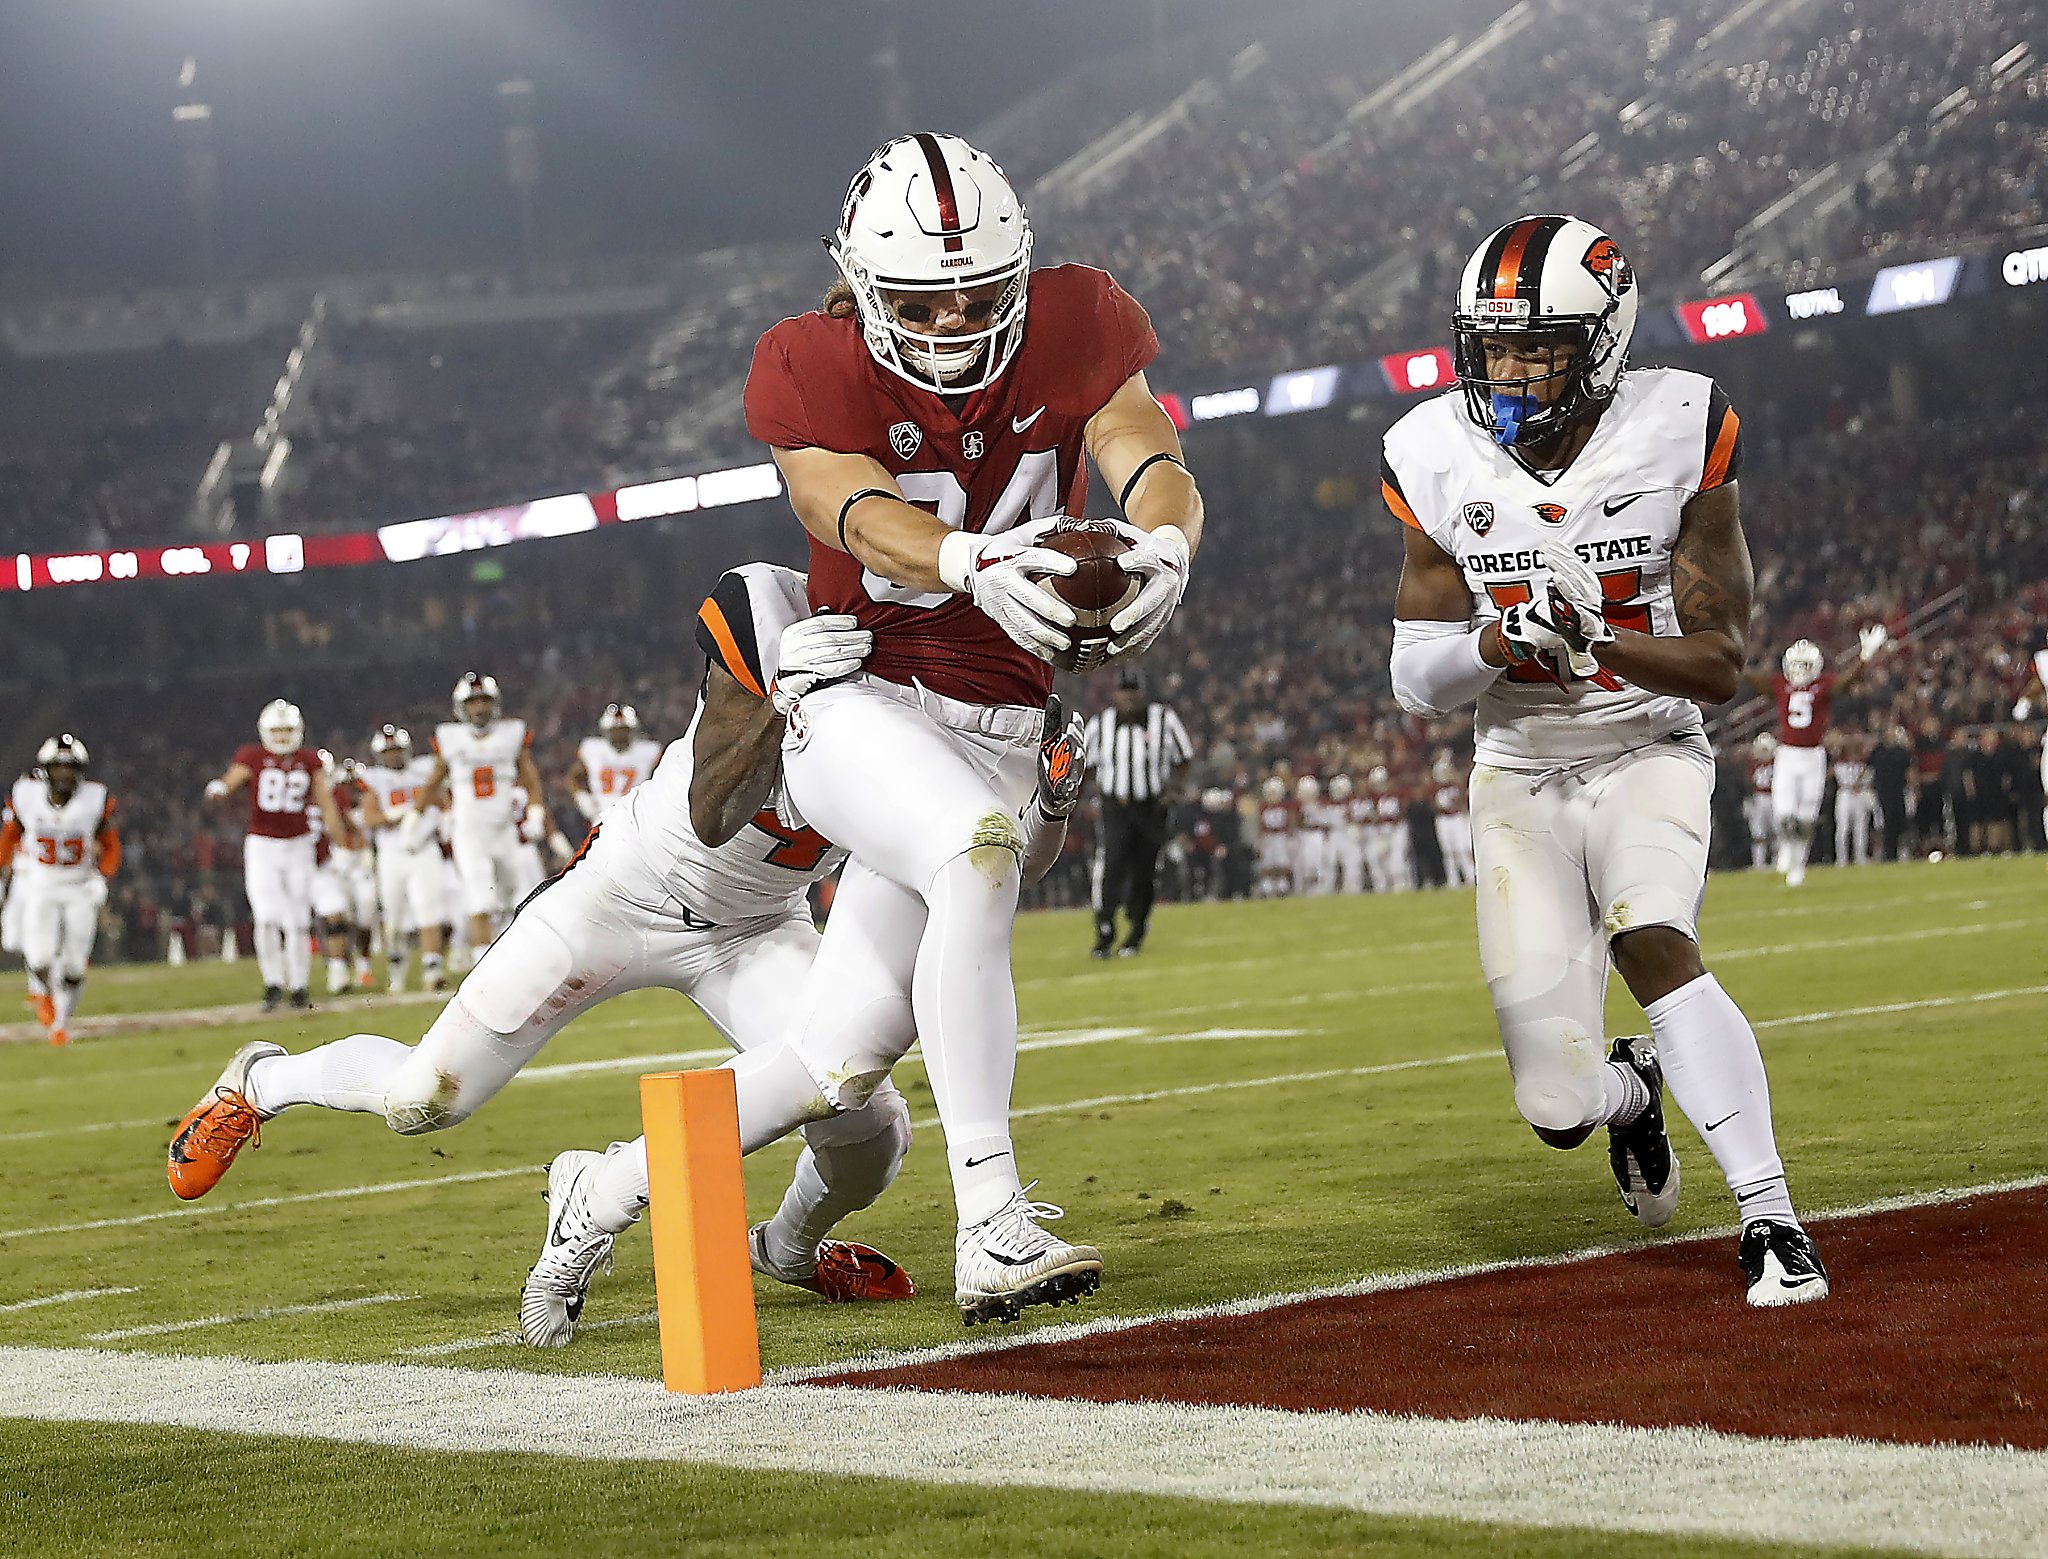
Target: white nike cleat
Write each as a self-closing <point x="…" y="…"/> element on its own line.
<point x="1780" y="1265"/>
<point x="573" y="1249"/>
<point x="1007" y="1262"/>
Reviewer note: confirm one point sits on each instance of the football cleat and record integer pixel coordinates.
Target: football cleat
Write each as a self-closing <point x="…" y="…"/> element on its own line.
<point x="273" y="997"/>
<point x="1007" y="1262"/>
<point x="301" y="1001"/>
<point x="59" y="1036"/>
<point x="844" y="1273"/>
<point x="214" y="1129"/>
<point x="572" y="1250"/>
<point x="1780" y="1265"/>
<point x="1640" y="1153"/>
<point x="46" y="1010"/>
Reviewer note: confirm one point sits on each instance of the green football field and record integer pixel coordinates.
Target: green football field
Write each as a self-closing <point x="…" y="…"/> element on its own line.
<point x="1275" y="1097"/>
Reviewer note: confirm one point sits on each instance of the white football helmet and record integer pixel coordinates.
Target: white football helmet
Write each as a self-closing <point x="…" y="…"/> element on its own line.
<point x="1543" y="276"/>
<point x="1308" y="789"/>
<point x="1765" y="746"/>
<point x="1377" y="776"/>
<point x="281" y="727"/>
<point x="62" y="749"/>
<point x="930" y="214"/>
<point x="392" y="739"/>
<point x="1274" y="790"/>
<point x="1340" y="787"/>
<point x="1803" y="662"/>
<point x="619" y="723"/>
<point x="474" y="686"/>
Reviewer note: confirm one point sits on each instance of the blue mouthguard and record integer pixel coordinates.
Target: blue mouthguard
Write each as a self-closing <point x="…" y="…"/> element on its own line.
<point x="1508" y="412"/>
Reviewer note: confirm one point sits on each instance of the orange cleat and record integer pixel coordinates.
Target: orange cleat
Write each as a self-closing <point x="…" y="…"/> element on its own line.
<point x="46" y="1011"/>
<point x="59" y="1037"/>
<point x="212" y="1133"/>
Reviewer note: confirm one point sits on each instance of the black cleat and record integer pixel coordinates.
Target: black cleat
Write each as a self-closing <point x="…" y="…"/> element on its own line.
<point x="1780" y="1265"/>
<point x="273" y="997"/>
<point x="301" y="1001"/>
<point x="1645" y="1168"/>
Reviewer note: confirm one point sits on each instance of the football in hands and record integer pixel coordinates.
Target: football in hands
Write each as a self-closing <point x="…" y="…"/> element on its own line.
<point x="1096" y="591"/>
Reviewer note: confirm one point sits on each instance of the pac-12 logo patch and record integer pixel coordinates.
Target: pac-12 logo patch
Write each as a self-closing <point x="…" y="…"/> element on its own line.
<point x="1551" y="513"/>
<point x="970" y="443"/>
<point x="1480" y="517"/>
<point x="904" y="439"/>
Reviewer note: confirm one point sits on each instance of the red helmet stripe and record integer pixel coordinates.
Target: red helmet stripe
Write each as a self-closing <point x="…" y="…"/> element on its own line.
<point x="1509" y="271"/>
<point x="942" y="187"/>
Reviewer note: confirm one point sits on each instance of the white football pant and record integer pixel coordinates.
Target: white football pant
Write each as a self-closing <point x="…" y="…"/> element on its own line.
<point x="277" y="874"/>
<point x="487" y="861"/>
<point x="1347" y="856"/>
<point x="1311" y="861"/>
<point x="58" y="925"/>
<point x="1454" y="839"/>
<point x="1855" y="815"/>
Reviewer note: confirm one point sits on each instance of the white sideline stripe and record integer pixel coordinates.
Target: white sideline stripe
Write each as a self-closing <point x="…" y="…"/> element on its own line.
<point x="1942" y="1499"/>
<point x="1375" y="1283"/>
<point x="66" y="1131"/>
<point x="510" y="1338"/>
<point x="64" y="1298"/>
<point x="271" y="1313"/>
<point x="340" y="1193"/>
<point x="1875" y="939"/>
<point x="1073" y="1106"/>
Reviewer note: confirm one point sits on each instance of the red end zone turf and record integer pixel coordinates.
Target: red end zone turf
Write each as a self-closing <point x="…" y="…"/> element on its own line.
<point x="1934" y="1333"/>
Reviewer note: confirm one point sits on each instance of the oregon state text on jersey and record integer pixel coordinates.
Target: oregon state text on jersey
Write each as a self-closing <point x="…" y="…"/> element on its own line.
<point x="59" y="844"/>
<point x="766" y="867"/>
<point x="1803" y="711"/>
<point x="1002" y="456"/>
<point x="483" y="770"/>
<point x="280" y="790"/>
<point x="1666" y="436"/>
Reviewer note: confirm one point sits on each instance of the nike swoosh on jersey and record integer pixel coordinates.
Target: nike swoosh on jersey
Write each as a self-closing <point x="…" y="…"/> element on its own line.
<point x="1019" y="424"/>
<point x="1614" y="506"/>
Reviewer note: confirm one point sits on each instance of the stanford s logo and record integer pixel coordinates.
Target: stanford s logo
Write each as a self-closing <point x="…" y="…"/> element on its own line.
<point x="1480" y="517"/>
<point x="1610" y="266"/>
<point x="970" y="443"/>
<point x="1551" y="513"/>
<point x="862" y="182"/>
<point x="904" y="439"/>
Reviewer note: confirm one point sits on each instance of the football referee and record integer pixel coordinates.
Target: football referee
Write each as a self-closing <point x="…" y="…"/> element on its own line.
<point x="1139" y="752"/>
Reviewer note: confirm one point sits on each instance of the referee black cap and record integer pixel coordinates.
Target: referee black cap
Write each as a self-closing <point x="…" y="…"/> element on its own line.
<point x="1131" y="677"/>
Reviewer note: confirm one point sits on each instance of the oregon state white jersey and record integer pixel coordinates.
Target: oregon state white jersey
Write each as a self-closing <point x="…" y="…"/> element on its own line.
<point x="395" y="790"/>
<point x="768" y="866"/>
<point x="1667" y="436"/>
<point x="483" y="771"/>
<point x="608" y="773"/>
<point x="58" y="843"/>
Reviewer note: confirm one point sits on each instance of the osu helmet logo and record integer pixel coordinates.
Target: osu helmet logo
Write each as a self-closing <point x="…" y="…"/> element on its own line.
<point x="1553" y="514"/>
<point x="1610" y="266"/>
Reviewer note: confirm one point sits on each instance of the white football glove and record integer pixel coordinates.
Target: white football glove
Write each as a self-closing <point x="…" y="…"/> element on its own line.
<point x="1528" y="636"/>
<point x="1572" y="606"/>
<point x="96" y="890"/>
<point x="1160" y="558"/>
<point x="1001" y="574"/>
<point x="411" y="825"/>
<point x="1870" y="642"/>
<point x="815" y="651"/>
<point x="215" y="789"/>
<point x="586" y="803"/>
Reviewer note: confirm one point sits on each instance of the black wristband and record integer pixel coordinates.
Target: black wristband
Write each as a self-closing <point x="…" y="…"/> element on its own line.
<point x="1123" y="500"/>
<point x="846" y="508"/>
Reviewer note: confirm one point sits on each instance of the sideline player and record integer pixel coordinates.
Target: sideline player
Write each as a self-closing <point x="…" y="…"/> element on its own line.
<point x="1757" y="809"/>
<point x="281" y="773"/>
<point x="1276" y="838"/>
<point x="1348" y="813"/>
<point x="1613" y="596"/>
<point x="612" y="762"/>
<point x="930" y="420"/>
<point x="1449" y="799"/>
<point x="409" y="877"/>
<point x="482" y="759"/>
<point x="59" y="837"/>
<point x="1855" y="802"/>
<point x="1804" y="691"/>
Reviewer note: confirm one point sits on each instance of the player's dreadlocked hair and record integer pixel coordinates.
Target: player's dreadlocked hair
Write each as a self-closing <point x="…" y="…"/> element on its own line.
<point x="839" y="301"/>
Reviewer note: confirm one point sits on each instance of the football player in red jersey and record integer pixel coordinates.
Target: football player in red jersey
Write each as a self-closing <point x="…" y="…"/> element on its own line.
<point x="1804" y="691"/>
<point x="281" y="773"/>
<point x="931" y="421"/>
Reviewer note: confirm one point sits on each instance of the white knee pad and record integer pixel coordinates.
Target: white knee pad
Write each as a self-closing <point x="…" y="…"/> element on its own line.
<point x="423" y="1098"/>
<point x="1559" y="1101"/>
<point x="859" y="1152"/>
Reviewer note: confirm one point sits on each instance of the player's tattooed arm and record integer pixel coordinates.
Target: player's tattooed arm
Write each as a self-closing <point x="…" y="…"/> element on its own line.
<point x="736" y="756"/>
<point x="882" y="530"/>
<point x="1711" y="587"/>
<point x="1130" y="430"/>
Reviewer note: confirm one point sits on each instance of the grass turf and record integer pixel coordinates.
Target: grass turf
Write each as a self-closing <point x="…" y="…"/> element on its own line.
<point x="1248" y="1186"/>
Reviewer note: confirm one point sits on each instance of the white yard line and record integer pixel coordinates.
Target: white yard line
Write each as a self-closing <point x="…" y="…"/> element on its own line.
<point x="1881" y="1008"/>
<point x="65" y="1298"/>
<point x="158" y="1121"/>
<point x="1940" y="1499"/>
<point x="272" y="1313"/>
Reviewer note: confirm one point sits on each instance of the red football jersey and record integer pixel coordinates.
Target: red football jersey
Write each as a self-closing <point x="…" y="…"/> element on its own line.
<point x="280" y="789"/>
<point x="1803" y="711"/>
<point x="1277" y="817"/>
<point x="984" y="462"/>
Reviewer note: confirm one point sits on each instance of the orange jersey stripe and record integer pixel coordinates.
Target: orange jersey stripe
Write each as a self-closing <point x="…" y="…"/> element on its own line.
<point x="1391" y="495"/>
<point x="1723" y="452"/>
<point x="721" y="633"/>
<point x="1509" y="271"/>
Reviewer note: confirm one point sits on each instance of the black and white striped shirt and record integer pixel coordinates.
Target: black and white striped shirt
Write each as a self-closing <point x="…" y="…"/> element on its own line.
<point x="1134" y="758"/>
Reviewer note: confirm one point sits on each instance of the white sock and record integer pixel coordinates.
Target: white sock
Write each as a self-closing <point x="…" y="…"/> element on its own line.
<point x="966" y="1008"/>
<point x="397" y="960"/>
<point x="65" y="999"/>
<point x="431" y="965"/>
<point x="298" y="957"/>
<point x="777" y="1094"/>
<point x="270" y="940"/>
<point x="347" y="1074"/>
<point x="1715" y="1073"/>
<point x="1627" y="1095"/>
<point x="833" y="1183"/>
<point x="617" y="1192"/>
<point x="36" y="985"/>
<point x="337" y="976"/>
